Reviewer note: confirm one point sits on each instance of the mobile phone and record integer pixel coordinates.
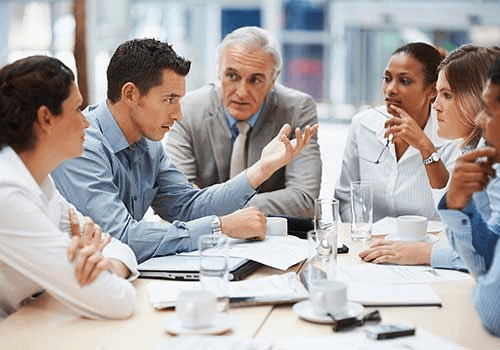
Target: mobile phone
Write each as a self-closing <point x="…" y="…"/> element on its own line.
<point x="343" y="249"/>
<point x="388" y="331"/>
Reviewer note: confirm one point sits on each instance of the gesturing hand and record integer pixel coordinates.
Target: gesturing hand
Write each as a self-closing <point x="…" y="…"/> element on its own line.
<point x="85" y="249"/>
<point x="469" y="176"/>
<point x="279" y="152"/>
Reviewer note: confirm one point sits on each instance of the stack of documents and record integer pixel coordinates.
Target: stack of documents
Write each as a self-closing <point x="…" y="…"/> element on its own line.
<point x="276" y="289"/>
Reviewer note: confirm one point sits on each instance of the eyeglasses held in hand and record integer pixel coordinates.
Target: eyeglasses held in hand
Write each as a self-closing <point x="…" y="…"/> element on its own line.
<point x="352" y="322"/>
<point x="386" y="144"/>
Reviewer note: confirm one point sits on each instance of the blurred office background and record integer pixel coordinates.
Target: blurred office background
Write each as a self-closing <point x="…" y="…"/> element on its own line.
<point x="334" y="50"/>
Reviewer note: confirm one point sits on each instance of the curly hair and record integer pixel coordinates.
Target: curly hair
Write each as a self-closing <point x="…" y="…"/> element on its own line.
<point x="25" y="86"/>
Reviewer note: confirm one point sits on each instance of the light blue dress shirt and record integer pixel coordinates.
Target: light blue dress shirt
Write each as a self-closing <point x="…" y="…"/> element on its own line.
<point x="478" y="246"/>
<point x="231" y="121"/>
<point x="115" y="183"/>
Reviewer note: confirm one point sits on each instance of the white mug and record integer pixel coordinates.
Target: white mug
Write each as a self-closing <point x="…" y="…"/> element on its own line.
<point x="276" y="226"/>
<point x="329" y="296"/>
<point x="412" y="227"/>
<point x="196" y="308"/>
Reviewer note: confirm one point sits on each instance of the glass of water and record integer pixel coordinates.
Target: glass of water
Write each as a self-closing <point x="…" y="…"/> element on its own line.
<point x="361" y="210"/>
<point x="214" y="268"/>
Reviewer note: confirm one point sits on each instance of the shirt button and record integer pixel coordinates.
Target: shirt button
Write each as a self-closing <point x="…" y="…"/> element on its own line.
<point x="464" y="221"/>
<point x="135" y="198"/>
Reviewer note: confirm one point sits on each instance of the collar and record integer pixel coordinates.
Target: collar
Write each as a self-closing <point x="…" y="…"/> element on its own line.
<point x="109" y="127"/>
<point x="112" y="132"/>
<point x="14" y="170"/>
<point x="253" y="119"/>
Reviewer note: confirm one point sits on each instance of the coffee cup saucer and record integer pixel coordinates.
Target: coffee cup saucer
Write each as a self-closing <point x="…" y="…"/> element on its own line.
<point x="305" y="311"/>
<point x="222" y="324"/>
<point x="429" y="238"/>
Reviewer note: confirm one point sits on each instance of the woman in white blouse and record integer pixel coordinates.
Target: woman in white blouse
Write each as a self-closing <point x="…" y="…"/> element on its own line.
<point x="461" y="77"/>
<point x="395" y="147"/>
<point x="43" y="246"/>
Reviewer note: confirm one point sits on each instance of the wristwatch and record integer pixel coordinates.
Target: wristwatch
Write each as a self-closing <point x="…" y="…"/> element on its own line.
<point x="432" y="159"/>
<point x="216" y="225"/>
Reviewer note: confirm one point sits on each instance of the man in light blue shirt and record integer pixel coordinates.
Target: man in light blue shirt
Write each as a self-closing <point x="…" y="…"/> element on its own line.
<point x="466" y="202"/>
<point x="124" y="169"/>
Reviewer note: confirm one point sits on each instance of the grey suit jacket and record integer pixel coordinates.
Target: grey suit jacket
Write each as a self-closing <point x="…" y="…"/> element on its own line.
<point x="200" y="146"/>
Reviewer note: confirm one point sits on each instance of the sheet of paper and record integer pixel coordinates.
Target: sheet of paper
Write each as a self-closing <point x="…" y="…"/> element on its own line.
<point x="279" y="252"/>
<point x="270" y="289"/>
<point x="393" y="295"/>
<point x="215" y="343"/>
<point x="355" y="340"/>
<point x="395" y="274"/>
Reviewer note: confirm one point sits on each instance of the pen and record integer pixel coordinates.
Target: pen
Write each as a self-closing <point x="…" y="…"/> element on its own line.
<point x="249" y="198"/>
<point x="434" y="272"/>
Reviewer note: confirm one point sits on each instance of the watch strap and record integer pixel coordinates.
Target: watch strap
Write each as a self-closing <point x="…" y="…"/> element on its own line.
<point x="434" y="157"/>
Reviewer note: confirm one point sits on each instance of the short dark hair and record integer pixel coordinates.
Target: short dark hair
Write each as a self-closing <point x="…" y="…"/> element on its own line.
<point x="427" y="55"/>
<point x="25" y="86"/>
<point x="142" y="61"/>
<point x="493" y="74"/>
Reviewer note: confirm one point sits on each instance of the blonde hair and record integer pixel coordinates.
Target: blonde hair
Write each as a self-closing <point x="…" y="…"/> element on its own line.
<point x="465" y="69"/>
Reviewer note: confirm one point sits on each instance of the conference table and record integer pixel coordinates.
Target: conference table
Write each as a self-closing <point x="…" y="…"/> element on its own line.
<point x="47" y="324"/>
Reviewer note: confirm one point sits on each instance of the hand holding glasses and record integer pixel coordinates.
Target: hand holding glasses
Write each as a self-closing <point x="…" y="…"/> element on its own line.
<point x="377" y="161"/>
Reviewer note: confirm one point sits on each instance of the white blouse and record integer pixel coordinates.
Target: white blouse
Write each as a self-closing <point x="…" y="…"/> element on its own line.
<point x="399" y="187"/>
<point x="35" y="236"/>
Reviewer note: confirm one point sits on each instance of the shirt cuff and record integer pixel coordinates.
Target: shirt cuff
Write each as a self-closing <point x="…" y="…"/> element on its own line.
<point x="443" y="256"/>
<point x="247" y="191"/>
<point x="197" y="228"/>
<point x="120" y="251"/>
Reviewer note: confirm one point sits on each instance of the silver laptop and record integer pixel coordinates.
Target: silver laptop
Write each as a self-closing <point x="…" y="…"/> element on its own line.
<point x="187" y="268"/>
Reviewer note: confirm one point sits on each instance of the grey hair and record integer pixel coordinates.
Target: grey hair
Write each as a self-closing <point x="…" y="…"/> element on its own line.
<point x="252" y="38"/>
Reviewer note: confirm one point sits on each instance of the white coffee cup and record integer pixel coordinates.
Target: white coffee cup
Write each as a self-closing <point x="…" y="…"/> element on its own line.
<point x="196" y="308"/>
<point x="411" y="227"/>
<point x="276" y="226"/>
<point x="329" y="296"/>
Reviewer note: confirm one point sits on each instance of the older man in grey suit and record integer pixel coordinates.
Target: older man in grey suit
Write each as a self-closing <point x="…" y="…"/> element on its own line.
<point x="226" y="126"/>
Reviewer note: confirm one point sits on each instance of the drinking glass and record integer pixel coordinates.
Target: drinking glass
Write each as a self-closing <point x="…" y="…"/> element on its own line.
<point x="214" y="268"/>
<point x="326" y="217"/>
<point x="322" y="241"/>
<point x="361" y="210"/>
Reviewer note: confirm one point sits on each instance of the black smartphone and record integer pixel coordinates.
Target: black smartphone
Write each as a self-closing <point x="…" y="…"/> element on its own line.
<point x="389" y="331"/>
<point x="343" y="249"/>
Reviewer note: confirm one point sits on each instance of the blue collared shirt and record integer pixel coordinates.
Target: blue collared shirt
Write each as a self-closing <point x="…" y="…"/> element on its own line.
<point x="477" y="245"/>
<point x="114" y="183"/>
<point x="231" y="121"/>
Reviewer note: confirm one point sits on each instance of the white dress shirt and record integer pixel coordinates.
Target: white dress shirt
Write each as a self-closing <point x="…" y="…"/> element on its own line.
<point x="399" y="187"/>
<point x="35" y="236"/>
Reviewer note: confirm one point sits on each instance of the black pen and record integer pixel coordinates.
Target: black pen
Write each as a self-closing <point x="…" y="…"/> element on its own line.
<point x="249" y="198"/>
